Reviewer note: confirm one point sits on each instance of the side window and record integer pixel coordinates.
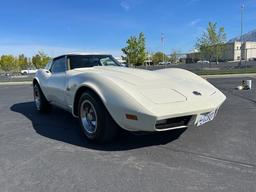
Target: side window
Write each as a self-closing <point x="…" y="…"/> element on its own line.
<point x="58" y="65"/>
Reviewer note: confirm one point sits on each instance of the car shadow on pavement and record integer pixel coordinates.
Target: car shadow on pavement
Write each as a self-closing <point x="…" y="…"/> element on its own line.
<point x="62" y="126"/>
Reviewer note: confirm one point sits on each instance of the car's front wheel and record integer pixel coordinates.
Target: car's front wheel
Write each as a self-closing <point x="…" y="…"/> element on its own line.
<point x="96" y="123"/>
<point x="41" y="103"/>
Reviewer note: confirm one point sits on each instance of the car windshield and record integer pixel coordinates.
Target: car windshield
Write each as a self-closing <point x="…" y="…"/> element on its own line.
<point x="82" y="61"/>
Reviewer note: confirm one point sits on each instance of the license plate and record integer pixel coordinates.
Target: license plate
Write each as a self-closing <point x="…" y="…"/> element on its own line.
<point x="206" y="117"/>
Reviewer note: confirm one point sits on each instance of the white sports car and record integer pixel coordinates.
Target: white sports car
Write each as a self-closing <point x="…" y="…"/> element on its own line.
<point x="105" y="96"/>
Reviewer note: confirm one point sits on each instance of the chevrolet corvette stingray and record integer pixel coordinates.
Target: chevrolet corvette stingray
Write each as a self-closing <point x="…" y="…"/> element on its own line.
<point x="105" y="96"/>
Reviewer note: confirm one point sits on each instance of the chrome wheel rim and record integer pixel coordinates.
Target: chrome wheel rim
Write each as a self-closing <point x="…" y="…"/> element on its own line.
<point x="88" y="117"/>
<point x="37" y="97"/>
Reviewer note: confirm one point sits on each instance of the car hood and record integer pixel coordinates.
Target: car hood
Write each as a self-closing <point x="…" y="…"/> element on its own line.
<point x="132" y="76"/>
<point x="156" y="86"/>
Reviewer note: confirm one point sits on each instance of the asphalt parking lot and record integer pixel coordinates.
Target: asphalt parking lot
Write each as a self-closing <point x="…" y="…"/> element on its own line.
<point x="47" y="153"/>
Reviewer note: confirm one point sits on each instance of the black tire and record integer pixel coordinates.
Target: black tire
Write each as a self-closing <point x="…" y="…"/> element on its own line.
<point x="42" y="105"/>
<point x="106" y="128"/>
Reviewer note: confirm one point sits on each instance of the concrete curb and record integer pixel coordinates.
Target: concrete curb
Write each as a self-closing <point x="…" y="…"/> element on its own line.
<point x="230" y="75"/>
<point x="16" y="83"/>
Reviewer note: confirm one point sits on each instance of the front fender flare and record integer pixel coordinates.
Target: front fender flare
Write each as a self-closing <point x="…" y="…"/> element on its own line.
<point x="83" y="87"/>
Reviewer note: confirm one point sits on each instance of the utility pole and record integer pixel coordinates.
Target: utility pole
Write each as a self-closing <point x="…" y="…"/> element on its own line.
<point x="162" y="41"/>
<point x="241" y="37"/>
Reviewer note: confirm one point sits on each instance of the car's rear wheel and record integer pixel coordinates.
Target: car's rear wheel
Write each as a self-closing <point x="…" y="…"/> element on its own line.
<point x="96" y="123"/>
<point x="41" y="103"/>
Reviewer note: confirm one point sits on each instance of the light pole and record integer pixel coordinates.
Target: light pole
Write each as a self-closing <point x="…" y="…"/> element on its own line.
<point x="241" y="36"/>
<point x="162" y="41"/>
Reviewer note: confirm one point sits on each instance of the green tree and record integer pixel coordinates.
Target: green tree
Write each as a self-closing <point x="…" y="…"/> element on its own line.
<point x="158" y="57"/>
<point x="130" y="50"/>
<point x="23" y="62"/>
<point x="40" y="60"/>
<point x="211" y="43"/>
<point x="135" y="51"/>
<point x="174" y="57"/>
<point x="142" y="54"/>
<point x="8" y="63"/>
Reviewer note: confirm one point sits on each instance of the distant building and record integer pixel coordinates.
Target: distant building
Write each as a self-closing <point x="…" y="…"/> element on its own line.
<point x="193" y="57"/>
<point x="148" y="62"/>
<point x="248" y="48"/>
<point x="231" y="52"/>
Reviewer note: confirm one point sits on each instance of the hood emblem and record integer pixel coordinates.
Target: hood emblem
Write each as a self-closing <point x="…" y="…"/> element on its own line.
<point x="197" y="93"/>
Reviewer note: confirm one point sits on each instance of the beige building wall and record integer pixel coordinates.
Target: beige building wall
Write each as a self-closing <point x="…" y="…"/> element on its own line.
<point x="237" y="51"/>
<point x="250" y="50"/>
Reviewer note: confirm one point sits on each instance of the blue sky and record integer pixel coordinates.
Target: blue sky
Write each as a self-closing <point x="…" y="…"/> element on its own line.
<point x="58" y="26"/>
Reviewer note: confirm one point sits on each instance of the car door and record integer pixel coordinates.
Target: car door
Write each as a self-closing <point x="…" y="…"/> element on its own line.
<point x="57" y="82"/>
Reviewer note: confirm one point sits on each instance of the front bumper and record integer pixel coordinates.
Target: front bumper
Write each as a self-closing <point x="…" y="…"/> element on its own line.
<point x="178" y="115"/>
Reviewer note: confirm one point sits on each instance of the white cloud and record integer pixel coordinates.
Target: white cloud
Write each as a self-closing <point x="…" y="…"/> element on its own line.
<point x="125" y="5"/>
<point x="194" y="22"/>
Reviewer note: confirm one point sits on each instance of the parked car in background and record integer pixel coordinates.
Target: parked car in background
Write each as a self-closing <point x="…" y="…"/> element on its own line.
<point x="252" y="59"/>
<point x="28" y="71"/>
<point x="203" y="61"/>
<point x="104" y="96"/>
<point x="164" y="63"/>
